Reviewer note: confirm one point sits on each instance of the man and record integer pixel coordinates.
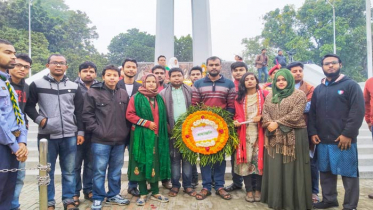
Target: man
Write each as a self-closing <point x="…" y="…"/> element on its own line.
<point x="87" y="77"/>
<point x="105" y="104"/>
<point x="177" y="97"/>
<point x="160" y="73"/>
<point x="368" y="97"/>
<point x="195" y="73"/>
<point x="59" y="118"/>
<point x="280" y="59"/>
<point x="336" y="114"/>
<point x="13" y="134"/>
<point x="238" y="58"/>
<point x="129" y="69"/>
<point x="261" y="63"/>
<point x="296" y="69"/>
<point x="238" y="69"/>
<point x="17" y="80"/>
<point x="162" y="62"/>
<point x="214" y="90"/>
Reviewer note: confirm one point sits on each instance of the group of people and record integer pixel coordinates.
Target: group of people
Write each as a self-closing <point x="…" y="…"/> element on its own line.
<point x="279" y="126"/>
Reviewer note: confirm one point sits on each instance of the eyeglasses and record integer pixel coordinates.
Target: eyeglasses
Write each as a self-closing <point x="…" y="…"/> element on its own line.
<point x="332" y="62"/>
<point x="58" y="63"/>
<point x="20" y="66"/>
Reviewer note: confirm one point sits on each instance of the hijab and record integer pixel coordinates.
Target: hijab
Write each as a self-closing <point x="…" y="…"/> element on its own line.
<point x="279" y="94"/>
<point x="146" y="92"/>
<point x="171" y="63"/>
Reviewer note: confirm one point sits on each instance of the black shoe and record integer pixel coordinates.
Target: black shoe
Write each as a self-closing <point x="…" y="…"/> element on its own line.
<point x="232" y="188"/>
<point x="70" y="208"/>
<point x="134" y="191"/>
<point x="194" y="183"/>
<point x="325" y="205"/>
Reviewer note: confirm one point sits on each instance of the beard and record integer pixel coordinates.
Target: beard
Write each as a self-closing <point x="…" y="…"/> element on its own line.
<point x="130" y="76"/>
<point x="334" y="74"/>
<point x="213" y="74"/>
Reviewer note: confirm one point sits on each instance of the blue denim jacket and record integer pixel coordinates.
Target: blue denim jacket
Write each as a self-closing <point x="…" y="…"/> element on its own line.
<point x="8" y="122"/>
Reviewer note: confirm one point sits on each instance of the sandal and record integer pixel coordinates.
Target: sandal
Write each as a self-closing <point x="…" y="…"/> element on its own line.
<point x="141" y="201"/>
<point x="76" y="201"/>
<point x="203" y="194"/>
<point x="160" y="198"/>
<point x="190" y="191"/>
<point x="223" y="194"/>
<point x="173" y="192"/>
<point x="257" y="196"/>
<point x="88" y="196"/>
<point x="249" y="198"/>
<point x="315" y="198"/>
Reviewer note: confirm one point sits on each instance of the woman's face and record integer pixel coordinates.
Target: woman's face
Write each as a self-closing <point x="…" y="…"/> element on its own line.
<point x="175" y="61"/>
<point x="281" y="82"/>
<point x="151" y="83"/>
<point x="250" y="82"/>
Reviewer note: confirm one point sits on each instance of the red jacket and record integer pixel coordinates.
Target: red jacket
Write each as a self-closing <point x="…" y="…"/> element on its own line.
<point x="368" y="98"/>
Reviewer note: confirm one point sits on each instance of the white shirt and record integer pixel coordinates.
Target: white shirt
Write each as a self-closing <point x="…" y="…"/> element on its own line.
<point x="129" y="89"/>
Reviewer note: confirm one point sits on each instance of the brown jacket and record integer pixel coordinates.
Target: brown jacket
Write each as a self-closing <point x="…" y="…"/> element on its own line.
<point x="104" y="114"/>
<point x="260" y="59"/>
<point x="307" y="89"/>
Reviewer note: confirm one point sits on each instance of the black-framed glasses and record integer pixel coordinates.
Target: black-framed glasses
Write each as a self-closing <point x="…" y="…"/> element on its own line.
<point x="58" y="63"/>
<point x="332" y="62"/>
<point x="20" y="66"/>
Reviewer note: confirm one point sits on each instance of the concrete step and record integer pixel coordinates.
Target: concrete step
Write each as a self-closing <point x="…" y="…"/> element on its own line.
<point x="366" y="159"/>
<point x="365" y="148"/>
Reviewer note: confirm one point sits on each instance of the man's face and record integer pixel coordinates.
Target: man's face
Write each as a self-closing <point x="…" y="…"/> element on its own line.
<point x="111" y="78"/>
<point x="273" y="74"/>
<point x="88" y="74"/>
<point x="195" y="75"/>
<point x="213" y="67"/>
<point x="280" y="53"/>
<point x="162" y="61"/>
<point x="331" y="67"/>
<point x="297" y="72"/>
<point x="20" y="70"/>
<point x="57" y="65"/>
<point x="264" y="51"/>
<point x="130" y="69"/>
<point x="7" y="57"/>
<point x="176" y="79"/>
<point x="160" y="74"/>
<point x="238" y="72"/>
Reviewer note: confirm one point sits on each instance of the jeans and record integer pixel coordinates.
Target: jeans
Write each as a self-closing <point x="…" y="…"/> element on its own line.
<point x="176" y="171"/>
<point x="237" y="179"/>
<point x="263" y="70"/>
<point x="110" y="157"/>
<point x="219" y="172"/>
<point x="19" y="184"/>
<point x="65" y="148"/>
<point x="84" y="154"/>
<point x="315" y="174"/>
<point x="195" y="173"/>
<point x="7" y="180"/>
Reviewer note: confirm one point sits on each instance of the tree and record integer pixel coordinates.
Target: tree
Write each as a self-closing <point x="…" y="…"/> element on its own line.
<point x="184" y="48"/>
<point x="253" y="47"/>
<point x="133" y="44"/>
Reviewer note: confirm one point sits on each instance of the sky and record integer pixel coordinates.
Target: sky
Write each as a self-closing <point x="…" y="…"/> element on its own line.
<point x="231" y="21"/>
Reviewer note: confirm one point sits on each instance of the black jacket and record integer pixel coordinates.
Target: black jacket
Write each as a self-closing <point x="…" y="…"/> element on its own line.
<point x="336" y="109"/>
<point x="136" y="86"/>
<point x="104" y="114"/>
<point x="22" y="90"/>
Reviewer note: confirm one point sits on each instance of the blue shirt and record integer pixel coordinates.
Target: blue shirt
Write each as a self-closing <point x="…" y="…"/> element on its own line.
<point x="8" y="122"/>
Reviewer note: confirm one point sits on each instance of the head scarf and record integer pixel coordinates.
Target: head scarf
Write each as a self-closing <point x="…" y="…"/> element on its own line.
<point x="146" y="92"/>
<point x="171" y="63"/>
<point x="278" y="94"/>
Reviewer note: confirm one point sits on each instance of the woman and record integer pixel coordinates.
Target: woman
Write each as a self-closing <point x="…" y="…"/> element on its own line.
<point x="173" y="63"/>
<point x="149" y="159"/>
<point x="286" y="180"/>
<point x="249" y="154"/>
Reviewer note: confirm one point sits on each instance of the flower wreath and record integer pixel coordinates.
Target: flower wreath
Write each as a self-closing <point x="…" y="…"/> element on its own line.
<point x="207" y="132"/>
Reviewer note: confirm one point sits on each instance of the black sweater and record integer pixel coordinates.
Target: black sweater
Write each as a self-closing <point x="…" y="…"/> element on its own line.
<point x="336" y="109"/>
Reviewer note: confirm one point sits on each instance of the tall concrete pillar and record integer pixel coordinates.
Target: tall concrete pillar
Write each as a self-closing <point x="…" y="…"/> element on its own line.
<point x="164" y="38"/>
<point x="201" y="31"/>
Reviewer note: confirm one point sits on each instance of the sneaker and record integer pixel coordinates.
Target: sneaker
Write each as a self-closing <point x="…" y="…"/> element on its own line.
<point x="141" y="201"/>
<point x="96" y="205"/>
<point x="117" y="200"/>
<point x="325" y="205"/>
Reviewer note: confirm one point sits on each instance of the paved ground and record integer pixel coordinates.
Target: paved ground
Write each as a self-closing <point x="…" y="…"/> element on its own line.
<point x="30" y="198"/>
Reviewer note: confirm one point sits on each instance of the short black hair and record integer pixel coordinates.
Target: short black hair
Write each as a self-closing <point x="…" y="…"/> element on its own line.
<point x="212" y="58"/>
<point x="129" y="60"/>
<point x="294" y="64"/>
<point x="161" y="56"/>
<point x="110" y="67"/>
<point x="195" y="68"/>
<point x="330" y="55"/>
<point x="4" y="41"/>
<point x="264" y="49"/>
<point x="57" y="55"/>
<point x="238" y="64"/>
<point x="158" y="67"/>
<point x="86" y="65"/>
<point x="176" y="69"/>
<point x="279" y="51"/>
<point x="25" y="57"/>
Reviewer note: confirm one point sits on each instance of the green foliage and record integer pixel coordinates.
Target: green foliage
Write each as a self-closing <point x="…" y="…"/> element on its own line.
<point x="229" y="148"/>
<point x="310" y="32"/>
<point x="184" y="48"/>
<point x="253" y="47"/>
